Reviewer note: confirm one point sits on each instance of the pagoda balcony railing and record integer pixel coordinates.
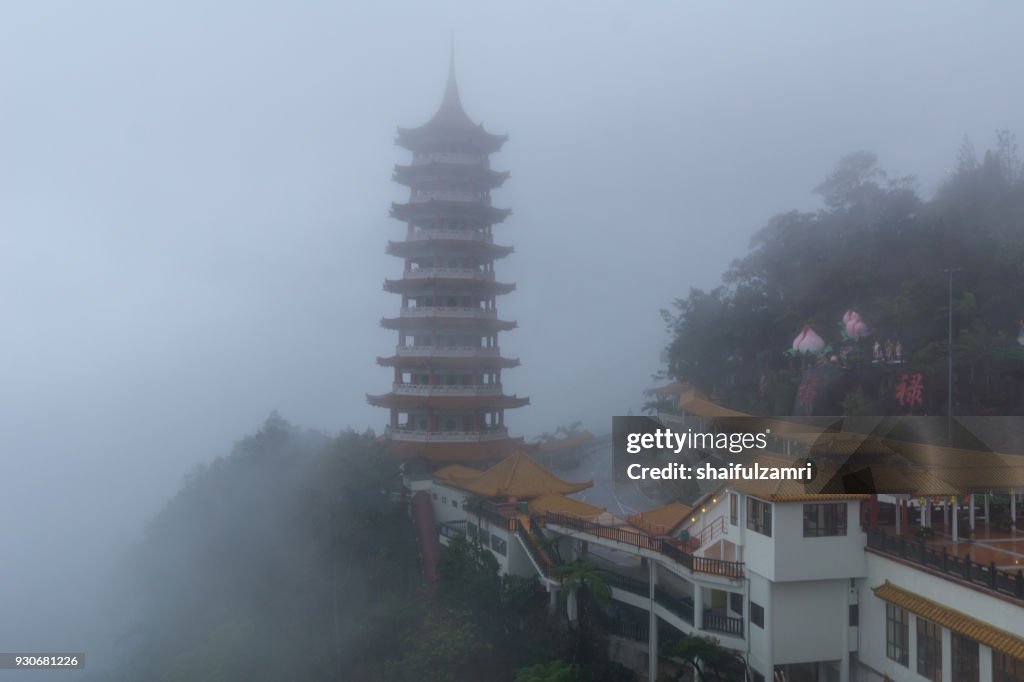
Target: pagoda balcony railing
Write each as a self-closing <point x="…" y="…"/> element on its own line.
<point x="453" y="273"/>
<point x="450" y="311"/>
<point x="454" y="235"/>
<point x="447" y="351"/>
<point x="442" y="389"/>
<point x="424" y="195"/>
<point x="403" y="434"/>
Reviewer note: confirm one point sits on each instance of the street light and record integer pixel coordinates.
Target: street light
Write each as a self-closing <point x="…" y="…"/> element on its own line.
<point x="949" y="371"/>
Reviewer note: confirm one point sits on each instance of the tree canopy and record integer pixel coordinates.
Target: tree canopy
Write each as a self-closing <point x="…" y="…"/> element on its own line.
<point x="877" y="248"/>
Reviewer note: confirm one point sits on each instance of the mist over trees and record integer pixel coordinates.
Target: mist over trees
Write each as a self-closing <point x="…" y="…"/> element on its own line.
<point x="879" y="248"/>
<point x="285" y="560"/>
<point x="293" y="558"/>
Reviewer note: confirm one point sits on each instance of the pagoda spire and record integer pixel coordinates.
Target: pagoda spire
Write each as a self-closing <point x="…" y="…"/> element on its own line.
<point x="451" y="104"/>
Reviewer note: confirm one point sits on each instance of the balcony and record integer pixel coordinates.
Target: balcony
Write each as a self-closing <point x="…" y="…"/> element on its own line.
<point x="416" y="436"/>
<point x="450" y="311"/>
<point x="962" y="569"/>
<point x="446" y="352"/>
<point x="454" y="235"/>
<point x="438" y="389"/>
<point x="449" y="273"/>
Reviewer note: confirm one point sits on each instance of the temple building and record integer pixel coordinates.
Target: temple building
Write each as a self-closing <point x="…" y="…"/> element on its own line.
<point x="447" y="402"/>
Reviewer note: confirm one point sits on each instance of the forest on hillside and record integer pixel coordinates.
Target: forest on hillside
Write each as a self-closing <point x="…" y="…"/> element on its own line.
<point x="293" y="558"/>
<point x="845" y="310"/>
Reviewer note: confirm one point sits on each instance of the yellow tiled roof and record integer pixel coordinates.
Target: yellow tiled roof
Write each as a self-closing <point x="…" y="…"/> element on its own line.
<point x="661" y="520"/>
<point x="980" y="631"/>
<point x="902" y="466"/>
<point x="517" y="475"/>
<point x="560" y="504"/>
<point x="457" y="473"/>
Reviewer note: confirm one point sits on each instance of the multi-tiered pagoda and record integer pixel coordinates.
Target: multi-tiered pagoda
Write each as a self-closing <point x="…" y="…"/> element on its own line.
<point x="447" y="402"/>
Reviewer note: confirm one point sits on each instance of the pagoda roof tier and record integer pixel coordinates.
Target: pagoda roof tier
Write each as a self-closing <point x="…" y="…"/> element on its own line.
<point x="479" y="284"/>
<point x="518" y="475"/>
<point x="421" y="212"/>
<point x="455" y="451"/>
<point x="449" y="137"/>
<point x="446" y="402"/>
<point x="447" y="320"/>
<point x="450" y="127"/>
<point x="449" y="362"/>
<point x="435" y="172"/>
<point x="411" y="248"/>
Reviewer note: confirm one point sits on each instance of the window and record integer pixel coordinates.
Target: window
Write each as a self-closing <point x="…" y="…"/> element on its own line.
<point x="1006" y="668"/>
<point x="435" y="496"/>
<point x="736" y="602"/>
<point x="929" y="649"/>
<point x="758" y="677"/>
<point x="485" y="538"/>
<point x="757" y="614"/>
<point x="824" y="520"/>
<point x="444" y="499"/>
<point x="471" y="530"/>
<point x="455" y="504"/>
<point x="734" y="509"/>
<point x="897" y="634"/>
<point x="965" y="659"/>
<point x="854" y="615"/>
<point x="759" y="516"/>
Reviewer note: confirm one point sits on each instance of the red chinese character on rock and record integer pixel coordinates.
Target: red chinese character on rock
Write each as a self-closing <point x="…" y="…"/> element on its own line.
<point x="909" y="390"/>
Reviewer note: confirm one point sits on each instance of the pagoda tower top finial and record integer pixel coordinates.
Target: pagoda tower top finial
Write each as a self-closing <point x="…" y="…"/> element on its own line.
<point x="451" y="104"/>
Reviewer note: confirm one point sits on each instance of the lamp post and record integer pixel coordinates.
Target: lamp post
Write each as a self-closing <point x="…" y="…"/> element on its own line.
<point x="949" y="370"/>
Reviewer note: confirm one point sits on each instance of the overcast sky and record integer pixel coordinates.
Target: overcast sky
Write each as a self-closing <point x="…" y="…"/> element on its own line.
<point x="194" y="207"/>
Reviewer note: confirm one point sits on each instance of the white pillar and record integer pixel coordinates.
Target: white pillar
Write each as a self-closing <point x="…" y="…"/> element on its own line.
<point x="947" y="655"/>
<point x="984" y="664"/>
<point x="698" y="606"/>
<point x="652" y="624"/>
<point x="956" y="516"/>
<point x="571" y="606"/>
<point x="899" y="516"/>
<point x="970" y="509"/>
<point x="912" y="644"/>
<point x="1013" y="509"/>
<point x="924" y="517"/>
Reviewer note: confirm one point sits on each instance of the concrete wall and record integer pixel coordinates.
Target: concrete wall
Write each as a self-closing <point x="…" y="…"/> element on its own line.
<point x="810" y="621"/>
<point x="817" y="558"/>
<point x="985" y="607"/>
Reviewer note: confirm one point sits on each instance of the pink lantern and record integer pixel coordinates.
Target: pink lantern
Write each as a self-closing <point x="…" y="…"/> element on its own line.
<point x="807" y="341"/>
<point x="856" y="327"/>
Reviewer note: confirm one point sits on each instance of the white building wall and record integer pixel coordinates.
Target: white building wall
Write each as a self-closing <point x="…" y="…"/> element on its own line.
<point x="817" y="558"/>
<point x="441" y="496"/>
<point x="809" y="621"/>
<point x="976" y="603"/>
<point x="760" y="638"/>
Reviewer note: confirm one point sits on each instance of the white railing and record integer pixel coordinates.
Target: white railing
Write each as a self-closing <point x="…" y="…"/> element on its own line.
<point x="446" y="436"/>
<point x="448" y="311"/>
<point x="424" y="195"/>
<point x="447" y="351"/>
<point x="469" y="235"/>
<point x="439" y="389"/>
<point x="447" y="157"/>
<point x="455" y="273"/>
